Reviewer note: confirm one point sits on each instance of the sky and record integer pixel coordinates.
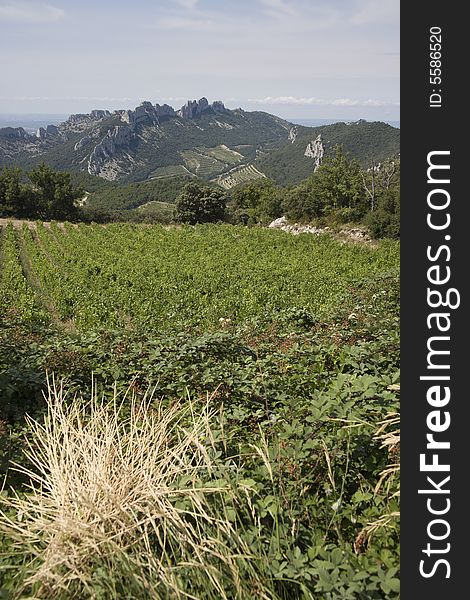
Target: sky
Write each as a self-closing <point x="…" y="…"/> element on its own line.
<point x="292" y="58"/>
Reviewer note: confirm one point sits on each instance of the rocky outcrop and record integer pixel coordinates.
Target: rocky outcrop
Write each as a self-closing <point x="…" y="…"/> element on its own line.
<point x="82" y="142"/>
<point x="147" y="113"/>
<point x="292" y="134"/>
<point x="315" y="150"/>
<point x="52" y="130"/>
<point x="81" y="122"/>
<point x="99" y="114"/>
<point x="295" y="228"/>
<point x="194" y="108"/>
<point x="14" y="133"/>
<point x="112" y="143"/>
<point x="351" y="234"/>
<point x="164" y="111"/>
<point x="49" y="131"/>
<point x="218" y="106"/>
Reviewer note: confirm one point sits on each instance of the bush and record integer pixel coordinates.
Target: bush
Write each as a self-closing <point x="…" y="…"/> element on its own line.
<point x="384" y="222"/>
<point x="200" y="204"/>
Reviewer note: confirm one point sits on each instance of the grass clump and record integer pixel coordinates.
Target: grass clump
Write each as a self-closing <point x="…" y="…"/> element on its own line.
<point x="126" y="501"/>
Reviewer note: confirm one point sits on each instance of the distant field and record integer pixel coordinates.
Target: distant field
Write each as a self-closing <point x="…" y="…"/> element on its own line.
<point x="238" y="176"/>
<point x="201" y="164"/>
<point x="224" y="154"/>
<point x="207" y="162"/>
<point x="172" y="171"/>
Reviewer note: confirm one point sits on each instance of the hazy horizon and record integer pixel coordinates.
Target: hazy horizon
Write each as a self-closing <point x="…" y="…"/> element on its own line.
<point x="312" y="58"/>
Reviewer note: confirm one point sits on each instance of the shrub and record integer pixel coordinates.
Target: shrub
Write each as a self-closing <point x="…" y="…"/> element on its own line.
<point x="200" y="204"/>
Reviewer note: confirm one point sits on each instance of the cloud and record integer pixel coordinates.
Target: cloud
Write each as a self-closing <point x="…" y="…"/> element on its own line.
<point x="278" y="8"/>
<point x="185" y="24"/>
<point x="294" y="100"/>
<point x="187" y="3"/>
<point x="66" y="98"/>
<point x="29" y="12"/>
<point x="384" y="12"/>
<point x="285" y="100"/>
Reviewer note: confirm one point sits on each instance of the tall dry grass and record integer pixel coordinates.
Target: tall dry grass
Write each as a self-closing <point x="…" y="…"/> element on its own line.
<point x="127" y="501"/>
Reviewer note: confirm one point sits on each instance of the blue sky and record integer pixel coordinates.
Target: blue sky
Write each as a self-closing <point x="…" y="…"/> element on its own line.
<point x="294" y="58"/>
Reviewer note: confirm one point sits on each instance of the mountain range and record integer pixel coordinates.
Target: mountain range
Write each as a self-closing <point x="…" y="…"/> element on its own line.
<point x="201" y="139"/>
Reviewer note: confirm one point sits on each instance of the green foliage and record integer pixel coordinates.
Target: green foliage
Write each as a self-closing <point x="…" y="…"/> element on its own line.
<point x="292" y="340"/>
<point x="285" y="163"/>
<point x="54" y="194"/>
<point x="16" y="199"/>
<point x="133" y="195"/>
<point x="258" y="200"/>
<point x="336" y="188"/>
<point x="51" y="195"/>
<point x="384" y="221"/>
<point x="200" y="204"/>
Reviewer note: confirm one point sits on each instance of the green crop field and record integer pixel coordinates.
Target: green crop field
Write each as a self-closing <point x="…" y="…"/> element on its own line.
<point x="202" y="164"/>
<point x="224" y="154"/>
<point x="238" y="176"/>
<point x="248" y="444"/>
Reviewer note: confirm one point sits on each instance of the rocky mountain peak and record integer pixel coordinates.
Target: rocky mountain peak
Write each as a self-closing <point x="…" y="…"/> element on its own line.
<point x="14" y="133"/>
<point x="194" y="108"/>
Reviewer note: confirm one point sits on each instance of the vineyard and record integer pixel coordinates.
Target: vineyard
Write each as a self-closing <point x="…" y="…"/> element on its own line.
<point x="238" y="176"/>
<point x="268" y="368"/>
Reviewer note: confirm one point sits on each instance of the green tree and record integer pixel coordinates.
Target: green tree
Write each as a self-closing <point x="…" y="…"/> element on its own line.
<point x="55" y="194"/>
<point x="339" y="184"/>
<point x="259" y="199"/>
<point x="384" y="221"/>
<point x="302" y="202"/>
<point x="334" y="190"/>
<point x="200" y="204"/>
<point x="16" y="199"/>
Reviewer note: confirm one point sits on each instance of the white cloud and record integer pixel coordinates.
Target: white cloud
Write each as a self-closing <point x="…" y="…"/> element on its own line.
<point x="30" y="12"/>
<point x="184" y="24"/>
<point x="294" y="100"/>
<point x="187" y="3"/>
<point x="383" y="12"/>
<point x="278" y="8"/>
<point x="66" y="98"/>
<point x="285" y="100"/>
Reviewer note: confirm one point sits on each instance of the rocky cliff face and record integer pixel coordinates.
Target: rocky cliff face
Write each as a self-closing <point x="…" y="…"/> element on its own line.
<point x="14" y="133"/>
<point x="195" y="108"/>
<point x="315" y="150"/>
<point x="292" y="134"/>
<point x="112" y="143"/>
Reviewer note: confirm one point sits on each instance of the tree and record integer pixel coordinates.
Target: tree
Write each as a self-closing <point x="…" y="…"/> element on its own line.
<point x="259" y="199"/>
<point x="338" y="183"/>
<point x="335" y="190"/>
<point x="200" y="204"/>
<point x="380" y="178"/>
<point x="54" y="193"/>
<point x="384" y="221"/>
<point x="16" y="199"/>
<point x="302" y="202"/>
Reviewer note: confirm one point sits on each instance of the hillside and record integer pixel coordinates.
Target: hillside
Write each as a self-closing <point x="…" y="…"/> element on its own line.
<point x="289" y="162"/>
<point x="205" y="140"/>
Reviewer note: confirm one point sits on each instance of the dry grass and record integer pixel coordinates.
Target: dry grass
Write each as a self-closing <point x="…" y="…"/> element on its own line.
<point x="125" y="503"/>
<point x="388" y="433"/>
